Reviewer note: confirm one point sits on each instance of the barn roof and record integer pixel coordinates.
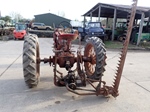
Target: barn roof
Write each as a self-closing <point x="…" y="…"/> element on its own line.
<point x="107" y="10"/>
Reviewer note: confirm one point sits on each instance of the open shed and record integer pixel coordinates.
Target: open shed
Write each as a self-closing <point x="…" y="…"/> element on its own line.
<point x="117" y="11"/>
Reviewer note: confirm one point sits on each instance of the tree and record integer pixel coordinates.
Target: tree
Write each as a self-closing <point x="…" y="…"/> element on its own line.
<point x="6" y="18"/>
<point x="16" y="16"/>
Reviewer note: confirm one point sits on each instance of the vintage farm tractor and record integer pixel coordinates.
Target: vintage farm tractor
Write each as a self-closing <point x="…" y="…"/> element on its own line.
<point x="90" y="65"/>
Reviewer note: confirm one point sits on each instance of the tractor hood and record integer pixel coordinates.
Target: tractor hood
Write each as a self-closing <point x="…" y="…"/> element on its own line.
<point x="96" y="29"/>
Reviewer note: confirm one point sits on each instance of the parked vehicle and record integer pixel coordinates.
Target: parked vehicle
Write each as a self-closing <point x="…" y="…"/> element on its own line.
<point x="119" y="33"/>
<point x="40" y="26"/>
<point x="20" y="31"/>
<point x="81" y="32"/>
<point x="94" y="29"/>
<point x="78" y="25"/>
<point x="1" y="30"/>
<point x="145" y="35"/>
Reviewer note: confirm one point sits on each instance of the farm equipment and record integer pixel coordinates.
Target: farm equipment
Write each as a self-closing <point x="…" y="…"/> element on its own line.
<point x="20" y="31"/>
<point x="95" y="29"/>
<point x="119" y="33"/>
<point x="145" y="36"/>
<point x="6" y="30"/>
<point x="90" y="66"/>
<point x="1" y="30"/>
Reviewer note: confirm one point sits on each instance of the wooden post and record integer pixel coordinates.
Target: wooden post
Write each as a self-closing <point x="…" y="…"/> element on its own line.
<point x="114" y="24"/>
<point x="141" y="28"/>
<point x="91" y="16"/>
<point x="99" y="13"/>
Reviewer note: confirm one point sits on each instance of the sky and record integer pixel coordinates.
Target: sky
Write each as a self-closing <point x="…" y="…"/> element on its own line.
<point x="71" y="9"/>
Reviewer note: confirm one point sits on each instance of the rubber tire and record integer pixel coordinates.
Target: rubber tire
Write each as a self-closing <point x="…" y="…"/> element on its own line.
<point x="100" y="58"/>
<point x="106" y="38"/>
<point x="30" y="53"/>
<point x="35" y="28"/>
<point x="48" y="29"/>
<point x="121" y="38"/>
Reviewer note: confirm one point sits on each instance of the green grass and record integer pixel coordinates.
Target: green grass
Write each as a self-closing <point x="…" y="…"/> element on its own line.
<point x="113" y="44"/>
<point x="145" y="44"/>
<point x="116" y="45"/>
<point x="110" y="44"/>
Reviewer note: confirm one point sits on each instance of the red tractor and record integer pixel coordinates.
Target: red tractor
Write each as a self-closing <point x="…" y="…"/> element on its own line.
<point x="90" y="65"/>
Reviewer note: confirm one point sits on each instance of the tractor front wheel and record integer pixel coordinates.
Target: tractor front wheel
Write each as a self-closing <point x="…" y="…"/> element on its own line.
<point x="96" y="51"/>
<point x="121" y="38"/>
<point x="31" y="66"/>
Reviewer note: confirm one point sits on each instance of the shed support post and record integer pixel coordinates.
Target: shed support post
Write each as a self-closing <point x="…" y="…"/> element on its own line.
<point x="84" y="25"/>
<point x="136" y="22"/>
<point x="99" y="13"/>
<point x="84" y="22"/>
<point x="141" y="28"/>
<point x="91" y="16"/>
<point x="114" y="24"/>
<point x="107" y="22"/>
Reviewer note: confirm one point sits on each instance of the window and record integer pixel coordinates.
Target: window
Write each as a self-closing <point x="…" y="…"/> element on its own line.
<point x="94" y="25"/>
<point x="42" y="24"/>
<point x="20" y="26"/>
<point x="39" y="24"/>
<point x="80" y="29"/>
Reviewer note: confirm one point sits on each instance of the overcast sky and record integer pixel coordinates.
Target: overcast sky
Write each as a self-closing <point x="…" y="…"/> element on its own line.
<point x="73" y="9"/>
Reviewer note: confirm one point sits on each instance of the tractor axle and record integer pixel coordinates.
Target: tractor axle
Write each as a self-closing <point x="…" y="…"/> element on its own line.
<point x="60" y="61"/>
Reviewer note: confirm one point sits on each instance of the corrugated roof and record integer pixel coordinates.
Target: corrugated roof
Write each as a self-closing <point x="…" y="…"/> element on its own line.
<point x="108" y="9"/>
<point x="51" y="14"/>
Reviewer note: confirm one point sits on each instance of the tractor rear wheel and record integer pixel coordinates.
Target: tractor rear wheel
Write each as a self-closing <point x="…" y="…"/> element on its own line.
<point x="95" y="49"/>
<point x="31" y="67"/>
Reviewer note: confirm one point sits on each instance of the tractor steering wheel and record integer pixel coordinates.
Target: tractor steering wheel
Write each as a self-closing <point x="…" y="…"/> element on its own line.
<point x="66" y="26"/>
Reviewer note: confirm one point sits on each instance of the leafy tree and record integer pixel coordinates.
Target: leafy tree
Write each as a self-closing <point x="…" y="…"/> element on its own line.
<point x="16" y="16"/>
<point x="6" y="18"/>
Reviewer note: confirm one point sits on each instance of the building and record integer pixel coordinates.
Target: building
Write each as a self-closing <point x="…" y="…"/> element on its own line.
<point x="117" y="11"/>
<point x="50" y="19"/>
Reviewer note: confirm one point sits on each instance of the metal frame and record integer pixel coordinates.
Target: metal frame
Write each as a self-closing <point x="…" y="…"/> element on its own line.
<point x="141" y="28"/>
<point x="101" y="88"/>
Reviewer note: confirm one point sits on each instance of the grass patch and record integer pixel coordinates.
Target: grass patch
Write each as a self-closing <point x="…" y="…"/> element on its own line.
<point x="145" y="44"/>
<point x="113" y="44"/>
<point x="116" y="45"/>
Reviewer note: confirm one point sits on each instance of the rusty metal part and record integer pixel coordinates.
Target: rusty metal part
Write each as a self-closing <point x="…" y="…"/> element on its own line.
<point x="37" y="57"/>
<point x="113" y="90"/>
<point x="105" y="91"/>
<point x="55" y="72"/>
<point x="65" y="58"/>
<point x="124" y="50"/>
<point x="62" y="58"/>
<point x="89" y="52"/>
<point x="80" y="69"/>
